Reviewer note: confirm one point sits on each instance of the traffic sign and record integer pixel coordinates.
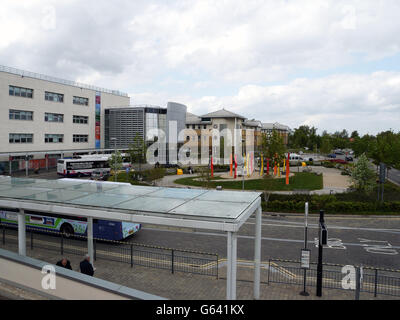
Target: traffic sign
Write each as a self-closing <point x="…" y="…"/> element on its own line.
<point x="305" y="258"/>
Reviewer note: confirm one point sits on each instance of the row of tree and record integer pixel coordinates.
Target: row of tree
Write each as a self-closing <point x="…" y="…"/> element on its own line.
<point x="384" y="147"/>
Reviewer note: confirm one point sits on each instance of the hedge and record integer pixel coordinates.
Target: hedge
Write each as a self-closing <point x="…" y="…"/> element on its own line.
<point x="333" y="206"/>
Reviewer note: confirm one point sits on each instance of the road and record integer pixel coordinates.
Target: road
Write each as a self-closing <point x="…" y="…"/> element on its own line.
<point x="394" y="175"/>
<point x="358" y="241"/>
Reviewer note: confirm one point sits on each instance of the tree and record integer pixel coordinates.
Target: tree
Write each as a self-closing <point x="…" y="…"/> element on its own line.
<point x="115" y="162"/>
<point x="326" y="145"/>
<point x="363" y="177"/>
<point x="137" y="151"/>
<point x="386" y="148"/>
<point x="273" y="146"/>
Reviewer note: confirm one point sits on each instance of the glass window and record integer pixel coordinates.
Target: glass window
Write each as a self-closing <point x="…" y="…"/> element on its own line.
<point x="51" y="96"/>
<point x="53" y="117"/>
<point x="20" y="115"/>
<point x="20" y="138"/>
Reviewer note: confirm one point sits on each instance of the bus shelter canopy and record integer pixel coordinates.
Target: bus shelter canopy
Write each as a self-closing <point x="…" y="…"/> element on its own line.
<point x="209" y="209"/>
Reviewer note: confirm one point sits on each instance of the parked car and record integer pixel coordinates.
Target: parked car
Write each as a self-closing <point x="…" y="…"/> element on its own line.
<point x="348" y="158"/>
<point x="100" y="174"/>
<point x="332" y="155"/>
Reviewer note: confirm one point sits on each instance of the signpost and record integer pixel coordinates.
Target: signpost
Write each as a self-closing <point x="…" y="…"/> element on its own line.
<point x="323" y="240"/>
<point x="382" y="180"/>
<point x="305" y="253"/>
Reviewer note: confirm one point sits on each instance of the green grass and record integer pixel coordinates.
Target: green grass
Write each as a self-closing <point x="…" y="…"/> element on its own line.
<point x="301" y="180"/>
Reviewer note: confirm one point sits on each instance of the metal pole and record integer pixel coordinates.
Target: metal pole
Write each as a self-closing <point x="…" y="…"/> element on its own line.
<point x="90" y="238"/>
<point x="376" y="283"/>
<point x="172" y="261"/>
<point x="358" y="278"/>
<point x="305" y="293"/>
<point x="31" y="239"/>
<point x="21" y="233"/>
<point x="26" y="165"/>
<point x="4" y="234"/>
<point x="234" y="262"/>
<point x="257" y="255"/>
<point x="131" y="255"/>
<point x="229" y="267"/>
<point x="320" y="251"/>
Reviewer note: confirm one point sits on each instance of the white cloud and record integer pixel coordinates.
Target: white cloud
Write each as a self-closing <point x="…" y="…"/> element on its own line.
<point x="241" y="47"/>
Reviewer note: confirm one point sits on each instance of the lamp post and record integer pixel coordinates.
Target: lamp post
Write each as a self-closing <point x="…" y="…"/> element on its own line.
<point x="115" y="158"/>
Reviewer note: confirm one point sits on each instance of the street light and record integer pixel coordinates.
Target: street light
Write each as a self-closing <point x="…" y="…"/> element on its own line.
<point x="115" y="158"/>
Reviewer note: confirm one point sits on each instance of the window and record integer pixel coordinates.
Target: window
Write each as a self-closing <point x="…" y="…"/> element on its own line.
<point x="20" y="92"/>
<point x="204" y="127"/>
<point x="53" y="117"/>
<point x="80" y="119"/>
<point x="56" y="97"/>
<point x="193" y="126"/>
<point x="54" y="138"/>
<point x="80" y="138"/>
<point x="20" y="115"/>
<point x="81" y="101"/>
<point x="21" y="138"/>
<point x="187" y="138"/>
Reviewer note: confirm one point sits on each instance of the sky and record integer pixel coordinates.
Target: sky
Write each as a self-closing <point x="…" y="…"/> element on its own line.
<point x="330" y="64"/>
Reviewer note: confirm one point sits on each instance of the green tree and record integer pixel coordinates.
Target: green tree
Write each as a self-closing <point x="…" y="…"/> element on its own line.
<point x="273" y="146"/>
<point x="326" y="145"/>
<point x="363" y="177"/>
<point x="386" y="148"/>
<point x="137" y="151"/>
<point x="115" y="162"/>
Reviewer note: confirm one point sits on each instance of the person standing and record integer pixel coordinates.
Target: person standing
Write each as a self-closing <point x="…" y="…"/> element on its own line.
<point x="86" y="266"/>
<point x="65" y="263"/>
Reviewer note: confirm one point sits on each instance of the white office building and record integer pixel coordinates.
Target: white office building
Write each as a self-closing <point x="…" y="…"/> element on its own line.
<point x="43" y="113"/>
<point x="39" y="112"/>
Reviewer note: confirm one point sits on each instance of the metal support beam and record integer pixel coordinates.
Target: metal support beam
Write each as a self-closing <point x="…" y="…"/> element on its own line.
<point x="21" y="233"/>
<point x="232" y="266"/>
<point x="90" y="238"/>
<point x="257" y="255"/>
<point x="229" y="267"/>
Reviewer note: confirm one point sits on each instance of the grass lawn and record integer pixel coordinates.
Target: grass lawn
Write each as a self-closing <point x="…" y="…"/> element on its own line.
<point x="301" y="180"/>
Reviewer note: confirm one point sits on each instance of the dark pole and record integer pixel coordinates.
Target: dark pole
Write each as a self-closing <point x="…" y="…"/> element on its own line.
<point x="320" y="250"/>
<point x="305" y="293"/>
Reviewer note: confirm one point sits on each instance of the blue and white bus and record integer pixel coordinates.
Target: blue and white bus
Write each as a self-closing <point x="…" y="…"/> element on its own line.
<point x="70" y="226"/>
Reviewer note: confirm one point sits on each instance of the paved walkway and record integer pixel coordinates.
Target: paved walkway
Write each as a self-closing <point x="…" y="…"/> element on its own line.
<point x="333" y="181"/>
<point x="183" y="286"/>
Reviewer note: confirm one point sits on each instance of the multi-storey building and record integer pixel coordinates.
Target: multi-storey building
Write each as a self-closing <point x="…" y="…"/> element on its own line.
<point x="40" y="113"/>
<point x="199" y="132"/>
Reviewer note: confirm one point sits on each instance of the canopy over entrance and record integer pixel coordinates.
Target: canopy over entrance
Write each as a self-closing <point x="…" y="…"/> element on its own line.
<point x="191" y="208"/>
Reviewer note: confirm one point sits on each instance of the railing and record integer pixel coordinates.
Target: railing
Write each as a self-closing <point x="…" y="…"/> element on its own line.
<point x="175" y="260"/>
<point x="374" y="280"/>
<point x="39" y="76"/>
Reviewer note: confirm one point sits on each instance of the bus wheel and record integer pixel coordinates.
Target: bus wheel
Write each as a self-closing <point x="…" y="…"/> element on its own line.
<point x="67" y="230"/>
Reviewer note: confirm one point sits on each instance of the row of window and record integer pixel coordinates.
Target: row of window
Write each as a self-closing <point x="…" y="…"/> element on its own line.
<point x="48" y="96"/>
<point x="48" y="138"/>
<point x="194" y="126"/>
<point x="48" y="117"/>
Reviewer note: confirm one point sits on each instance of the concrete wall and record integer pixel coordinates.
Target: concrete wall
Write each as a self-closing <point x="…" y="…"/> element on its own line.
<point x="27" y="273"/>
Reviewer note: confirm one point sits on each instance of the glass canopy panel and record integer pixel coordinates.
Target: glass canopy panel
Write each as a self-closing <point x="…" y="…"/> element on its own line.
<point x="101" y="200"/>
<point x="20" y="181"/>
<point x="57" y="184"/>
<point x="92" y="187"/>
<point x="229" y="196"/>
<point x="151" y="204"/>
<point x="177" y="193"/>
<point x="4" y="186"/>
<point x="133" y="190"/>
<point x="227" y="210"/>
<point x="21" y="193"/>
<point x="57" y="195"/>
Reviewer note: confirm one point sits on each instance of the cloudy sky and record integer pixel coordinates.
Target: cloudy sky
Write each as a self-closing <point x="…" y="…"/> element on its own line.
<point x="330" y="64"/>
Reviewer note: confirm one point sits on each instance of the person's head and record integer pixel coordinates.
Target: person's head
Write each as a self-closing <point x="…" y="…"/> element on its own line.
<point x="64" y="261"/>
<point x="87" y="257"/>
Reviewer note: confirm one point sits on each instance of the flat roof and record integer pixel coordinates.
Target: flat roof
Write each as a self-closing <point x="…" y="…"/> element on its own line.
<point x="43" y="77"/>
<point x="192" y="208"/>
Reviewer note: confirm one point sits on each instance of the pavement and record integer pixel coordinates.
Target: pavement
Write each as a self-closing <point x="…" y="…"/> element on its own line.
<point x="184" y="286"/>
<point x="333" y="181"/>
